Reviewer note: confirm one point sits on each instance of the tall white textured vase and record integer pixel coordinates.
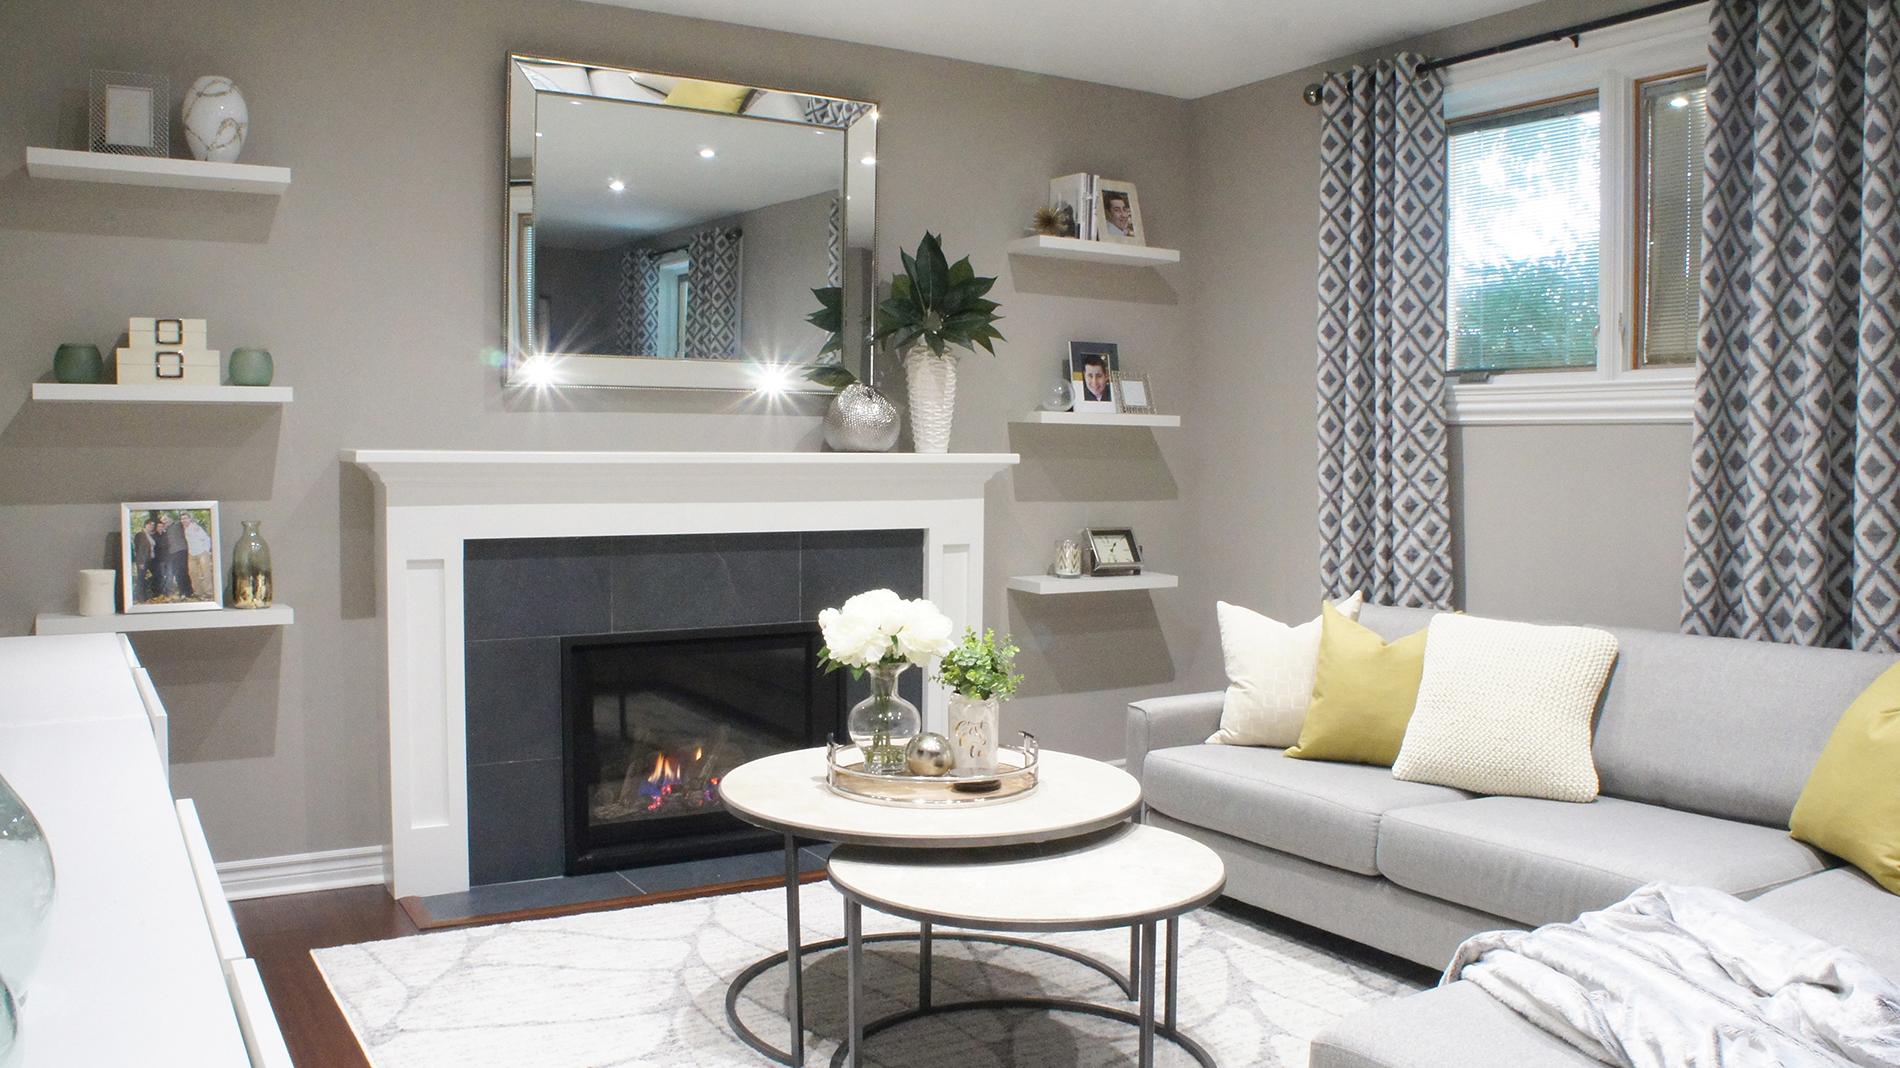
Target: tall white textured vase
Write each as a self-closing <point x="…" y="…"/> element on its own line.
<point x="933" y="397"/>
<point x="216" y="119"/>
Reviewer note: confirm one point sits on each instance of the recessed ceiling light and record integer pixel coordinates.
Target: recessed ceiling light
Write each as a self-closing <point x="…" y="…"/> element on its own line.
<point x="577" y="103"/>
<point x="617" y="186"/>
<point x="707" y="153"/>
<point x="1679" y="102"/>
<point x="537" y="133"/>
<point x="869" y="161"/>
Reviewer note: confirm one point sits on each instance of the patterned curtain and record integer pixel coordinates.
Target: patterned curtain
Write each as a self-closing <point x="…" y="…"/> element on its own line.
<point x="839" y="114"/>
<point x="834" y="247"/>
<point x="712" y="309"/>
<point x="639" y="313"/>
<point x="1794" y="500"/>
<point x="1384" y="513"/>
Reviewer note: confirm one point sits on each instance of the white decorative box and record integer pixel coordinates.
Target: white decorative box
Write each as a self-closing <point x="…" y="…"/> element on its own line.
<point x="160" y="333"/>
<point x="168" y="366"/>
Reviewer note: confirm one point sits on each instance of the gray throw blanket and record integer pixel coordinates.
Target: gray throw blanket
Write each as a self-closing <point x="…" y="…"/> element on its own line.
<point x="1688" y="977"/>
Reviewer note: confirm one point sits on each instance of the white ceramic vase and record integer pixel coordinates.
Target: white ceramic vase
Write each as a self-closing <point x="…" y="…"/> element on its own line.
<point x="975" y="726"/>
<point x="216" y="119"/>
<point x="933" y="397"/>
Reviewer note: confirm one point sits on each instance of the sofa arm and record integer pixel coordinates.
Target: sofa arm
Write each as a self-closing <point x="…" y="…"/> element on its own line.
<point x="1163" y="722"/>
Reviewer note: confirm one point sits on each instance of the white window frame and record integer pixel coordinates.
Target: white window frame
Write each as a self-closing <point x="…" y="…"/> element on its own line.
<point x="1610" y="62"/>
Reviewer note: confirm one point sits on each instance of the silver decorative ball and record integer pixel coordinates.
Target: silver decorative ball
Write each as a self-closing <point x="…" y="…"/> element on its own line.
<point x="860" y="420"/>
<point x="929" y="754"/>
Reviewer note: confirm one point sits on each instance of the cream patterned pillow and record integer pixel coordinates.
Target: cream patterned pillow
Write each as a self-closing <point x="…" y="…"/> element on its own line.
<point x="1269" y="674"/>
<point x="1505" y="708"/>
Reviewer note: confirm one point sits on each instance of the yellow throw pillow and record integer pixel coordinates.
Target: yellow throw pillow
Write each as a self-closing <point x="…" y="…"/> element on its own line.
<point x="709" y="96"/>
<point x="1363" y="693"/>
<point x="1851" y="804"/>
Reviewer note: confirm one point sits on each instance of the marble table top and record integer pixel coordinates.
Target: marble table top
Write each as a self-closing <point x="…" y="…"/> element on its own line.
<point x="787" y="793"/>
<point x="1126" y="875"/>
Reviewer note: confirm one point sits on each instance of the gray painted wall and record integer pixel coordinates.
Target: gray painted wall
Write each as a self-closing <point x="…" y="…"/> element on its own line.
<point x="375" y="283"/>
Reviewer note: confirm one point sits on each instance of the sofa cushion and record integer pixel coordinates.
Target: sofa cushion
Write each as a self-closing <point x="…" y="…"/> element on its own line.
<point x="1722" y="726"/>
<point x="1269" y="674"/>
<point x="1505" y="708"/>
<point x="1540" y="862"/>
<point x="1363" y="693"/>
<point x="1449" y="1025"/>
<point x="1850" y="806"/>
<point x="1315" y="809"/>
<point x="1845" y="907"/>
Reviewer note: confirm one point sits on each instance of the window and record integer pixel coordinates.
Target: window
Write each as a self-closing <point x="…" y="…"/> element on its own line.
<point x="1574" y="219"/>
<point x="1523" y="218"/>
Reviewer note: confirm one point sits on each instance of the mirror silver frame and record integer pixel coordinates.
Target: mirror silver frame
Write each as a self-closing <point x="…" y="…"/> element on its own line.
<point x="527" y="365"/>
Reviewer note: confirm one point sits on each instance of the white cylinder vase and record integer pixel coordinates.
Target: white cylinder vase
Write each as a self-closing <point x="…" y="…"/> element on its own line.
<point x="933" y="397"/>
<point x="975" y="726"/>
<point x="216" y="119"/>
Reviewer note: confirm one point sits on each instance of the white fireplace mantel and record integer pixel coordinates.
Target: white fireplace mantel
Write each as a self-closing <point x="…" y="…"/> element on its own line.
<point x="430" y="501"/>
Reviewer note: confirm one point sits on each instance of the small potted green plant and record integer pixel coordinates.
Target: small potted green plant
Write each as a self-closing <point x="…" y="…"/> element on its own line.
<point x="980" y="673"/>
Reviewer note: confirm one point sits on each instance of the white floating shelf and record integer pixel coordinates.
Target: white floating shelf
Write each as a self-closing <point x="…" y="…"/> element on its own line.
<point x="1074" y="248"/>
<point x="158" y="171"/>
<point x="277" y="615"/>
<point x="1101" y="419"/>
<point x="1049" y="584"/>
<point x="74" y="391"/>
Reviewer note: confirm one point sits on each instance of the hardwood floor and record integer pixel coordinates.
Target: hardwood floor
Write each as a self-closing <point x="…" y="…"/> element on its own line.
<point x="280" y="932"/>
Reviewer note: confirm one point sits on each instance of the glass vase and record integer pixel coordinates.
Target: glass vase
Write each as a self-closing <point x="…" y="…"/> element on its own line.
<point x="26" y="890"/>
<point x="250" y="569"/>
<point x="882" y="724"/>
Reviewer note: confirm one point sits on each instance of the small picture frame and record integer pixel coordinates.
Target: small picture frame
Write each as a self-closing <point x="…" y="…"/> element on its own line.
<point x="1112" y="551"/>
<point x="1092" y="367"/>
<point x="129" y="114"/>
<point x="1118" y="214"/>
<point x="170" y="558"/>
<point x="1133" y="396"/>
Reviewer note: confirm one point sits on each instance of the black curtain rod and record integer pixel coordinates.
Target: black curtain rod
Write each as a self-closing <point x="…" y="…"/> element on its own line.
<point x="1568" y="33"/>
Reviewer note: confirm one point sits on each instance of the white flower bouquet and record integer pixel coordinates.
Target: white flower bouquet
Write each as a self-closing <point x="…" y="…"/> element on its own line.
<point x="879" y="627"/>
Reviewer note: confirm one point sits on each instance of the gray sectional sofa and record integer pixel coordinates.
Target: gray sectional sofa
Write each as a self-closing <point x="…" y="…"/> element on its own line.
<point x="1702" y="746"/>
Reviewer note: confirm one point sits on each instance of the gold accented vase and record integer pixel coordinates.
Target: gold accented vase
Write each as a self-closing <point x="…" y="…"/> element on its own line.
<point x="975" y="729"/>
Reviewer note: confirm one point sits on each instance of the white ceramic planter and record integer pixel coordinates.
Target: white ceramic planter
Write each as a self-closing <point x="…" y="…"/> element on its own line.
<point x="216" y="119"/>
<point x="933" y="397"/>
<point x="975" y="724"/>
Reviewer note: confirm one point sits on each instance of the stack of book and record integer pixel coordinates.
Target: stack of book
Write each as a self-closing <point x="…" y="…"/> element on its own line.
<point x="167" y="352"/>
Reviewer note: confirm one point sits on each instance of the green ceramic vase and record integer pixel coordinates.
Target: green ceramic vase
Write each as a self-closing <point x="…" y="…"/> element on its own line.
<point x="251" y="367"/>
<point x="78" y="362"/>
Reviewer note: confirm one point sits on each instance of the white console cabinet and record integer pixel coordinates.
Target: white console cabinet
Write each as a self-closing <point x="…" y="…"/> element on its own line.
<point x="133" y="974"/>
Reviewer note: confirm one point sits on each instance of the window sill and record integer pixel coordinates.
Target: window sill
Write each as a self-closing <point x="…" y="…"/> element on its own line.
<point x="1638" y="399"/>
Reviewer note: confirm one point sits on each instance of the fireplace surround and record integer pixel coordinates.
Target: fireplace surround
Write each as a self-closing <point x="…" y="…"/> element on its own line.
<point x="430" y="503"/>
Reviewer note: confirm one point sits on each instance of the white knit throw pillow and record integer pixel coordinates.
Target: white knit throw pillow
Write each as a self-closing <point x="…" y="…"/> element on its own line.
<point x="1269" y="674"/>
<point x="1505" y="708"/>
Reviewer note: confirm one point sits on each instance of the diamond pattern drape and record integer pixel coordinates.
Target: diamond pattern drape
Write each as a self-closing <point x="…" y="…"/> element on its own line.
<point x="637" y="318"/>
<point x="1384" y="513"/>
<point x="1794" y="500"/>
<point x="712" y="308"/>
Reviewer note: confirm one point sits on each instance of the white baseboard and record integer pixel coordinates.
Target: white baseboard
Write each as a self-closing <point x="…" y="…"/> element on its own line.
<point x="303" y="872"/>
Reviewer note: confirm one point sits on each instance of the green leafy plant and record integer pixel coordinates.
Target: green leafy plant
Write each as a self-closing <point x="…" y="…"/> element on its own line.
<point x="830" y="318"/>
<point x="981" y="667"/>
<point x="938" y="303"/>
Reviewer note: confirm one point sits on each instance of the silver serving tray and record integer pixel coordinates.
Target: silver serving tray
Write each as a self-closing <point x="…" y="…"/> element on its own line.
<point x="1016" y="777"/>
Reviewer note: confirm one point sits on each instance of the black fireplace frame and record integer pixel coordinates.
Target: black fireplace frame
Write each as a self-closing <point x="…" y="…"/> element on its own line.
<point x="692" y="837"/>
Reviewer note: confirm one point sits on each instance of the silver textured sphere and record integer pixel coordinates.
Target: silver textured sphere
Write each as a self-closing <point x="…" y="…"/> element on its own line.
<point x="929" y="754"/>
<point x="860" y="420"/>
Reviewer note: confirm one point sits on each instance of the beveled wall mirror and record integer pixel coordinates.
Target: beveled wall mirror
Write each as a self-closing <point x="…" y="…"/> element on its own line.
<point x="668" y="232"/>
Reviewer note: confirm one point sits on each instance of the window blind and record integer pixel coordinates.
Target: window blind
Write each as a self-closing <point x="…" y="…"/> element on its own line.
<point x="1524" y="219"/>
<point x="1675" y="122"/>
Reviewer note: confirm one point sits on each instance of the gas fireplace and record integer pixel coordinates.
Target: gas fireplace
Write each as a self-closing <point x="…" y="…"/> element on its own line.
<point x="652" y="720"/>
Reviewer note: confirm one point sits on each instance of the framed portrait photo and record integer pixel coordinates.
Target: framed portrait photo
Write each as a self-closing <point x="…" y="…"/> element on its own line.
<point x="1118" y="214"/>
<point x="169" y="558"/>
<point x="1112" y="551"/>
<point x="1133" y="395"/>
<point x="1092" y="367"/>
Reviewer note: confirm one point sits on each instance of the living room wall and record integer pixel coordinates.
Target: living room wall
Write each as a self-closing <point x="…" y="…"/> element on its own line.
<point x="1577" y="523"/>
<point x="375" y="281"/>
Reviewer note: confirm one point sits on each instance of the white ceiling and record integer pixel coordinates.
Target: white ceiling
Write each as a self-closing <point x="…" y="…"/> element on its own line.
<point x="1184" y="48"/>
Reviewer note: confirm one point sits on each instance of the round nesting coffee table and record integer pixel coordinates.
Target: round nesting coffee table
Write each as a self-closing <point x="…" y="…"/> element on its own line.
<point x="1129" y="876"/>
<point x="787" y="793"/>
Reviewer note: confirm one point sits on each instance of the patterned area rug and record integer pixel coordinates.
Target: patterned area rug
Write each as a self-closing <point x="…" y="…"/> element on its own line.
<point x="646" y="987"/>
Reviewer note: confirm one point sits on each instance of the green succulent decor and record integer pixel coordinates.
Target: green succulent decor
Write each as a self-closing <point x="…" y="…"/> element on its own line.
<point x="938" y="304"/>
<point x="980" y="667"/>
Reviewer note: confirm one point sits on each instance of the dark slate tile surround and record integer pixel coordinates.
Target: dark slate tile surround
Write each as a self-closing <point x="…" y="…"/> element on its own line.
<point x="521" y="596"/>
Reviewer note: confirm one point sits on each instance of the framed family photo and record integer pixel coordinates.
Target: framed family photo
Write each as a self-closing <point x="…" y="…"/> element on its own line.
<point x="168" y="556"/>
<point x="1118" y="214"/>
<point x="1092" y="367"/>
